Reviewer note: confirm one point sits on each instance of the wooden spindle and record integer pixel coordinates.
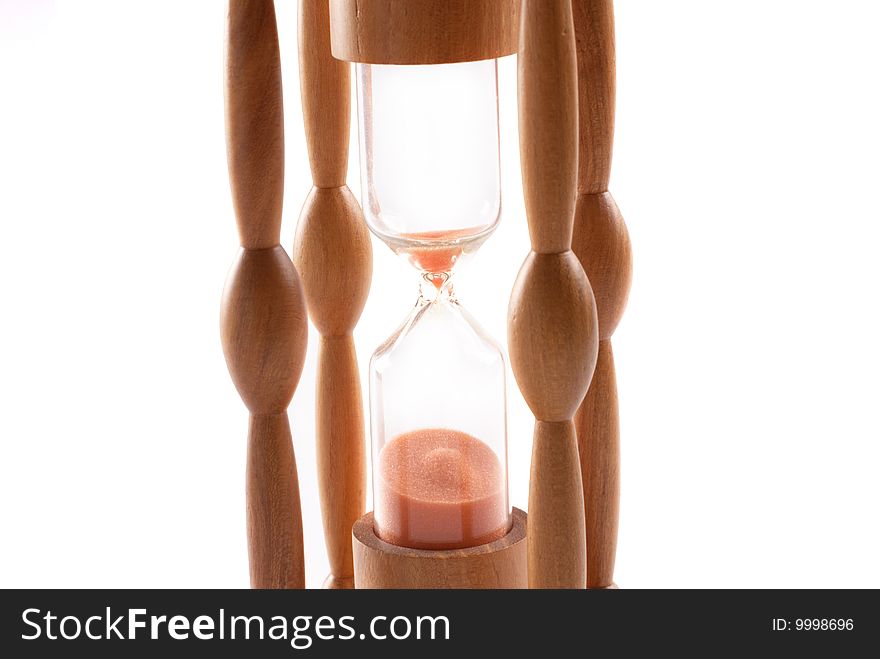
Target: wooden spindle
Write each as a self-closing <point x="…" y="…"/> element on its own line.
<point x="602" y="244"/>
<point x="333" y="254"/>
<point x="553" y="335"/>
<point x="263" y="316"/>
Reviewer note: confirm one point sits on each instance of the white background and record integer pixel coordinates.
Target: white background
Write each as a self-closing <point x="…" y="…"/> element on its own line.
<point x="746" y="164"/>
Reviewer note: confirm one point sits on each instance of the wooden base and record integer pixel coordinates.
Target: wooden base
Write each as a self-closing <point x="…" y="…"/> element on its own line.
<point x="338" y="583"/>
<point x="499" y="564"/>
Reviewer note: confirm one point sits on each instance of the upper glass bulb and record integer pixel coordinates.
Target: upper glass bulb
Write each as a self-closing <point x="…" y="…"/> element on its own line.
<point x="430" y="161"/>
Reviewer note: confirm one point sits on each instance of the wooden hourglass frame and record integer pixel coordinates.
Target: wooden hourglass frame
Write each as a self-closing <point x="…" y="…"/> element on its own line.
<point x="559" y="325"/>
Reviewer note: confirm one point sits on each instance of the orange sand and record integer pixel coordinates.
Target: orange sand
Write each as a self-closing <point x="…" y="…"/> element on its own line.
<point x="443" y="257"/>
<point x="440" y="489"/>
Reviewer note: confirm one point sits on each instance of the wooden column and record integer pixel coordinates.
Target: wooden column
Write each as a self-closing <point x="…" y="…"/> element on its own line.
<point x="602" y="244"/>
<point x="333" y="254"/>
<point x="553" y="334"/>
<point x="263" y="317"/>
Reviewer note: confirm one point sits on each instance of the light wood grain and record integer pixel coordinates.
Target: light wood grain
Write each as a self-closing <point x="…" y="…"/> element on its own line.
<point x="263" y="323"/>
<point x="332" y="251"/>
<point x="254" y="121"/>
<point x="602" y="243"/>
<point x="548" y="122"/>
<point x="342" y="478"/>
<point x="334" y="257"/>
<point x="274" y="518"/>
<point x="500" y="564"/>
<point x="553" y="334"/>
<point x="552" y="322"/>
<point x="598" y="428"/>
<point x="263" y="328"/>
<point x="326" y="97"/>
<point x="423" y="31"/>
<point x="594" y="29"/>
<point x="556" y="544"/>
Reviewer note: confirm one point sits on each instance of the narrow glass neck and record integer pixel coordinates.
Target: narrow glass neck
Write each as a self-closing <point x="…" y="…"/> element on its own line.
<point x="436" y="286"/>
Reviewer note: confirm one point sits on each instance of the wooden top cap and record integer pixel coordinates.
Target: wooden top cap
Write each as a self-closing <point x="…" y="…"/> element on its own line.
<point x="423" y="31"/>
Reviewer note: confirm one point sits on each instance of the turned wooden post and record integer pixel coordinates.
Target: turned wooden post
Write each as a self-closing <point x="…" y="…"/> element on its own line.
<point x="553" y="334"/>
<point x="333" y="254"/>
<point x="263" y="317"/>
<point x="602" y="244"/>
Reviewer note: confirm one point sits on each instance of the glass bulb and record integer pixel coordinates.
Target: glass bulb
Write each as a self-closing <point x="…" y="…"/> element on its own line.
<point x="439" y="429"/>
<point x="431" y="182"/>
<point x="431" y="190"/>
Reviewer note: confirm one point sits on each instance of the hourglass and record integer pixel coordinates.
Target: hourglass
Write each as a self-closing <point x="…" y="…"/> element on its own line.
<point x="437" y="390"/>
<point x="430" y="189"/>
<point x="427" y="89"/>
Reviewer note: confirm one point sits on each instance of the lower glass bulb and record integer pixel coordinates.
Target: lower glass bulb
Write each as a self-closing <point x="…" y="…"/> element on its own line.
<point x="439" y="429"/>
